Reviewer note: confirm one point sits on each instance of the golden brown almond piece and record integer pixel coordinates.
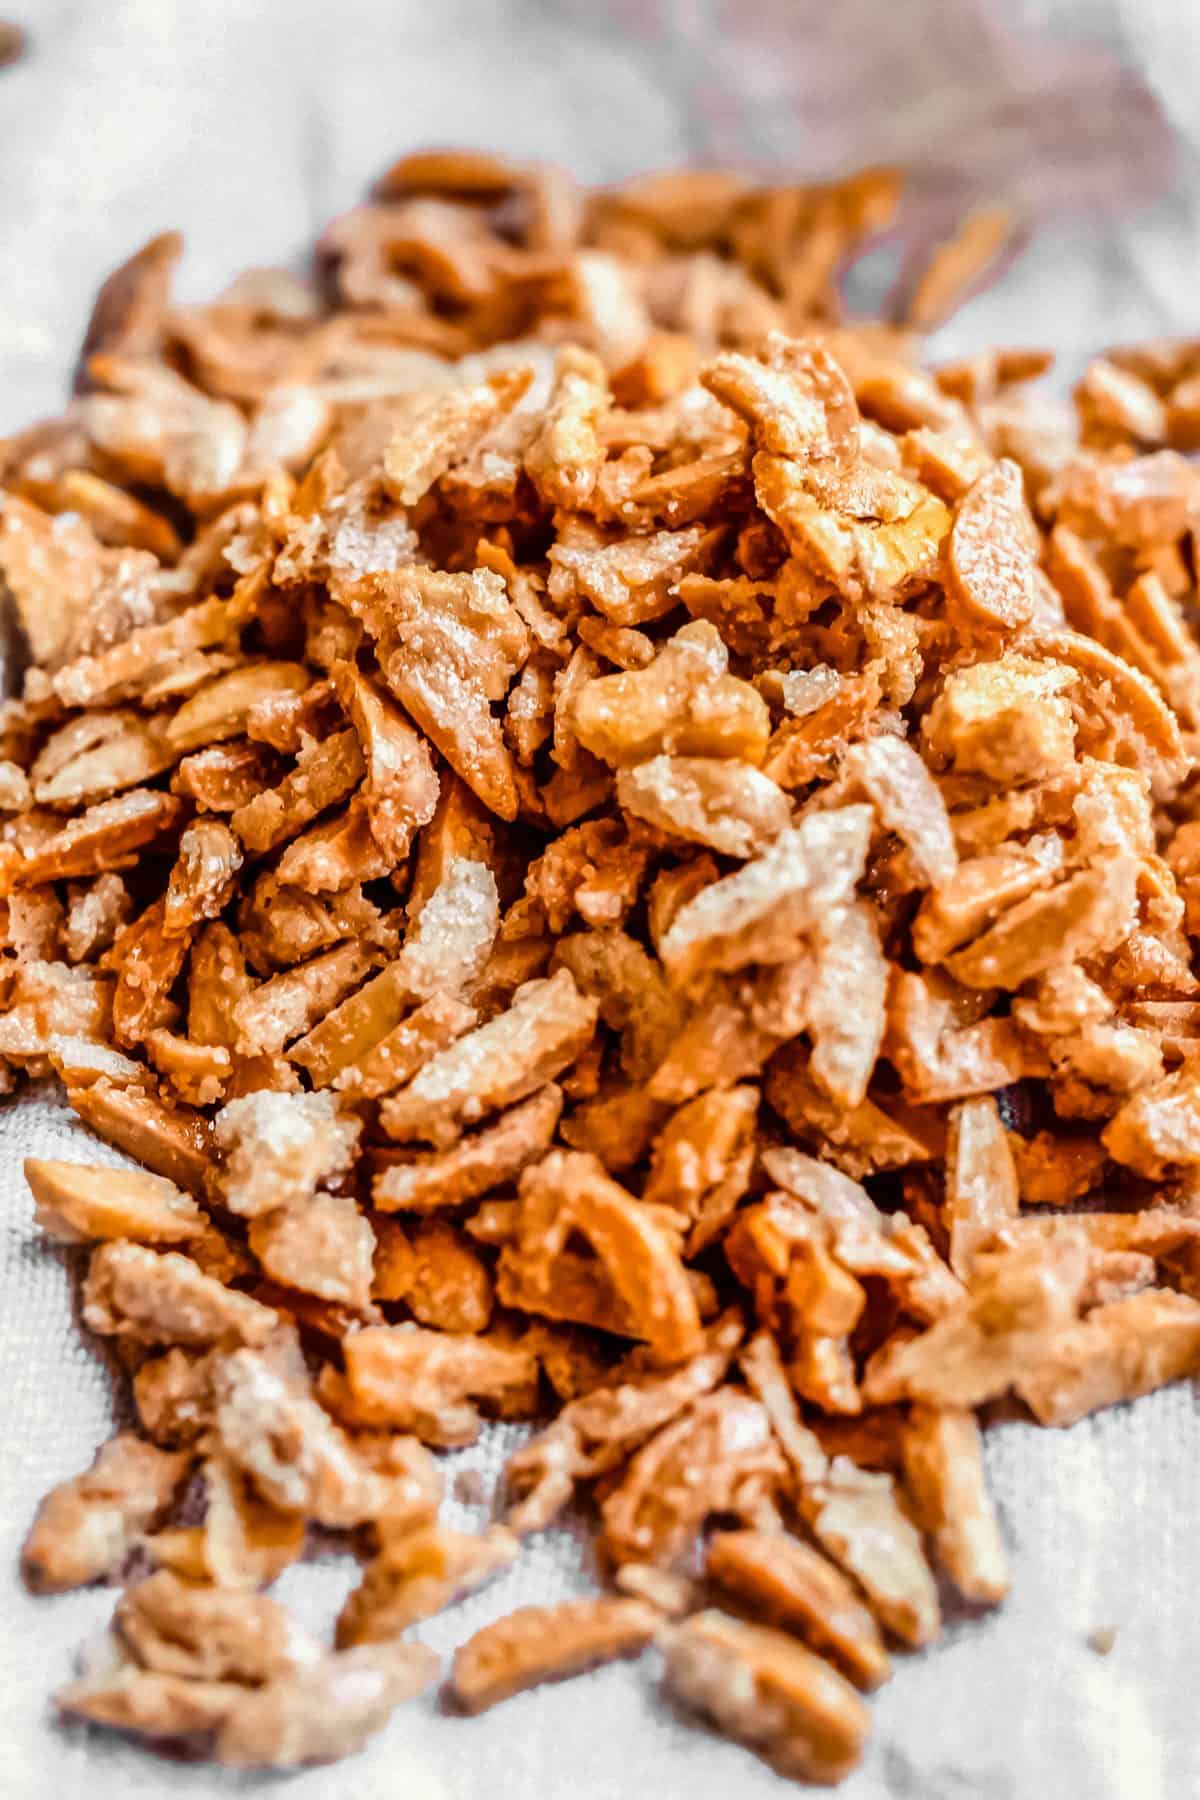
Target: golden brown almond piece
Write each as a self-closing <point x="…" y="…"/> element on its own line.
<point x="685" y="704"/>
<point x="87" y="1526"/>
<point x="77" y="1203"/>
<point x="1018" y="1302"/>
<point x="153" y="1297"/>
<point x="148" y="1703"/>
<point x="448" y="646"/>
<point x="718" y="1456"/>
<point x="289" y="1004"/>
<point x="545" y="1029"/>
<point x="565" y="458"/>
<point x="568" y="1192"/>
<point x="992" y="560"/>
<point x="401" y="789"/>
<point x="476" y="1164"/>
<point x="785" y="1582"/>
<point x="218" y="710"/>
<point x="436" y="1271"/>
<point x="426" y="1031"/>
<point x="279" y="1148"/>
<point x="762" y="913"/>
<point x="730" y="806"/>
<point x="981" y="1180"/>
<point x="596" y="1432"/>
<point x="173" y="1141"/>
<point x="325" y="773"/>
<point x="547" y="1643"/>
<point x="210" y="1634"/>
<point x="423" y="1381"/>
<point x="202" y="880"/>
<point x="198" y="1073"/>
<point x="702" y="1160"/>
<point x="908" y="802"/>
<point x="300" y="1461"/>
<point x="328" y="1711"/>
<point x="419" y="1575"/>
<point x="173" y="1396"/>
<point x="634" y="580"/>
<point x="322" y="1245"/>
<point x="1119" y="1351"/>
<point x="437" y="429"/>
<point x="103" y="837"/>
<point x="763" y="1687"/>
<point x="148" y="960"/>
<point x="96" y="755"/>
<point x="943" y="1466"/>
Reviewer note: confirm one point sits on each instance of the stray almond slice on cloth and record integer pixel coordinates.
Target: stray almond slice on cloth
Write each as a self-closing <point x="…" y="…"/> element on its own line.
<point x="1119" y="1351"/>
<point x="943" y="1466"/>
<point x="785" y="1582"/>
<point x="419" y="1575"/>
<point x="77" y="1203"/>
<point x="326" y="1711"/>
<point x="86" y="1526"/>
<point x="148" y="1702"/>
<point x="761" y="1686"/>
<point x="547" y="1643"/>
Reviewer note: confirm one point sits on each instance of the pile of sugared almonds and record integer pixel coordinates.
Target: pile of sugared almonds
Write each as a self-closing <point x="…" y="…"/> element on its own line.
<point x="621" y="854"/>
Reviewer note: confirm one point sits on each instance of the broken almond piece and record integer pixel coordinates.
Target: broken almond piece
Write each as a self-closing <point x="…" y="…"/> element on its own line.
<point x="761" y="1686"/>
<point x="326" y="1711"/>
<point x="87" y="1525"/>
<point x="547" y="1643"/>
<point x="943" y="1465"/>
<point x="787" y="1583"/>
<point x="77" y="1203"/>
<point x="419" y="1575"/>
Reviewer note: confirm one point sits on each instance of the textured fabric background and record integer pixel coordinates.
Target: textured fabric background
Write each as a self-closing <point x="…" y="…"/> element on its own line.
<point x="248" y="122"/>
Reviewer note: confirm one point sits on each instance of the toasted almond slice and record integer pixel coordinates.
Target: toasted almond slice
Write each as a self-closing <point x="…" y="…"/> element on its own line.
<point x="219" y="710"/>
<point x="78" y="1202"/>
<point x="161" y="1297"/>
<point x="290" y="1003"/>
<point x="763" y="1687"/>
<point x="324" y="1712"/>
<point x="87" y="1526"/>
<point x="101" y="838"/>
<point x="476" y="1164"/>
<point x="149" y="1703"/>
<point x="210" y="1634"/>
<point x="788" y="1583"/>
<point x="419" y="1575"/>
<point x="729" y="805"/>
<point x="547" y="1643"/>
<point x="401" y="788"/>
<point x="172" y="1141"/>
<point x="497" y="1064"/>
<point x="325" y="773"/>
<point x="323" y="1246"/>
<point x="943" y="1464"/>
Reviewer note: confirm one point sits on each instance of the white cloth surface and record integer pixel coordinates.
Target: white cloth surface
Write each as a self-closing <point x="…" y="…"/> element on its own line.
<point x="248" y="122"/>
